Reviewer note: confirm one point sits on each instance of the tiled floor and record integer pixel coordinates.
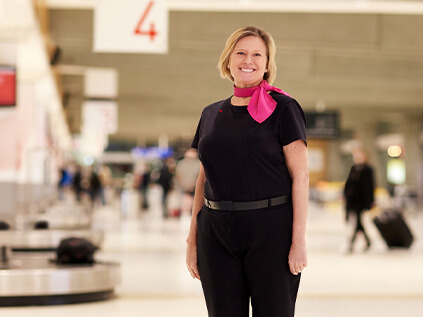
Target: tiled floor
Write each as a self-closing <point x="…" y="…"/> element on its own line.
<point x="155" y="282"/>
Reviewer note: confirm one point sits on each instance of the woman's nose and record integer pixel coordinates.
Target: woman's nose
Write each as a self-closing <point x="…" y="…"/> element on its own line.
<point x="248" y="58"/>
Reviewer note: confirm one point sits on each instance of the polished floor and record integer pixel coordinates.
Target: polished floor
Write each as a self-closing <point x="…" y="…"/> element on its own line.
<point x="151" y="250"/>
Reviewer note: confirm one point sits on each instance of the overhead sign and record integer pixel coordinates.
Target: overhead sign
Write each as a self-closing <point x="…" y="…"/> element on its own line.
<point x="322" y="125"/>
<point x="7" y="86"/>
<point x="131" y="26"/>
<point x="100" y="115"/>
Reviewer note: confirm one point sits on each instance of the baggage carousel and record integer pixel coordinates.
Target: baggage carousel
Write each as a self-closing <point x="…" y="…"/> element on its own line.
<point x="30" y="275"/>
<point x="29" y="271"/>
<point x="36" y="279"/>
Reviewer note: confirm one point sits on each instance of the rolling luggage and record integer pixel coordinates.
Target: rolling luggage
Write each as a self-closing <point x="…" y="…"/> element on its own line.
<point x="394" y="229"/>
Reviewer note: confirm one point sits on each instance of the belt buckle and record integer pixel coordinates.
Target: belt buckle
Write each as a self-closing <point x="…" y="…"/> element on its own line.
<point x="207" y="203"/>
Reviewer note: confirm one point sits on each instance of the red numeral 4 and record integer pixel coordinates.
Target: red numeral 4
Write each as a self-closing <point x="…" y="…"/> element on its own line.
<point x="151" y="32"/>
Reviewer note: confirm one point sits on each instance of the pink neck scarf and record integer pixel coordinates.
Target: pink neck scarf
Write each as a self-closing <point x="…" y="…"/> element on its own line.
<point x="261" y="104"/>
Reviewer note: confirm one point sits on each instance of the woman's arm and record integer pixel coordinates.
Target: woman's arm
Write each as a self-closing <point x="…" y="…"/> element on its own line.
<point x="297" y="163"/>
<point x="192" y="236"/>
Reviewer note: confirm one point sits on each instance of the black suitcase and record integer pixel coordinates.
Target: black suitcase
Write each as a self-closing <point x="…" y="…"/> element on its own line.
<point x="394" y="229"/>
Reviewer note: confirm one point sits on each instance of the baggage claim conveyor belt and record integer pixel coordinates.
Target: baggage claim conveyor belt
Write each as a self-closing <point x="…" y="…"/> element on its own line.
<point x="34" y="278"/>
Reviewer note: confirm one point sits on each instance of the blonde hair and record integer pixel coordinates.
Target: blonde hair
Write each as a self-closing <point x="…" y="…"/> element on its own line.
<point x="270" y="75"/>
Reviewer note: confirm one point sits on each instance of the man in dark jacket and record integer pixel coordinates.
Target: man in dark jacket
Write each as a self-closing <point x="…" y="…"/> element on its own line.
<point x="359" y="193"/>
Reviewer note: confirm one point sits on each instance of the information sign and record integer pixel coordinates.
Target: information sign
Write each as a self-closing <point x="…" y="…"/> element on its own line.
<point x="322" y="125"/>
<point x="130" y="26"/>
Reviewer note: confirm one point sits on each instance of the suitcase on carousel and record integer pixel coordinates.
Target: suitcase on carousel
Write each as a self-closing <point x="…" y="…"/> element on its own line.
<point x="394" y="229"/>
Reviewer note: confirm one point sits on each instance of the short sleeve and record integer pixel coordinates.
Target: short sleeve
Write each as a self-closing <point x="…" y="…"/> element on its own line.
<point x="196" y="139"/>
<point x="292" y="123"/>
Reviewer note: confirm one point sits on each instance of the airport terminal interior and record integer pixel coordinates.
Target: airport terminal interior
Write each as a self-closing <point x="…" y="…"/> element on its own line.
<point x="99" y="104"/>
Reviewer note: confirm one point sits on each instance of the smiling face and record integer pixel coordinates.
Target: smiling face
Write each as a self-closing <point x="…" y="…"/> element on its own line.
<point x="248" y="62"/>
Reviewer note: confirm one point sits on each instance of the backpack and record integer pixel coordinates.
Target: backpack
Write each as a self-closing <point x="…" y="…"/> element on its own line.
<point x="75" y="251"/>
<point x="41" y="225"/>
<point x="4" y="225"/>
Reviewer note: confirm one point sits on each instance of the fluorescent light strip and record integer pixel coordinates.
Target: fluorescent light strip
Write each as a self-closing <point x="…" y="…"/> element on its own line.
<point x="305" y="6"/>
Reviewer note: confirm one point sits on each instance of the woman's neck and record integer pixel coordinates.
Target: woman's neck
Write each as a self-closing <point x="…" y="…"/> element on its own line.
<point x="240" y="101"/>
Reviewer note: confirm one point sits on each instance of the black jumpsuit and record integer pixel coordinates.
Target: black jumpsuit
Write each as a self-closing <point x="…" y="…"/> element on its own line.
<point x="244" y="254"/>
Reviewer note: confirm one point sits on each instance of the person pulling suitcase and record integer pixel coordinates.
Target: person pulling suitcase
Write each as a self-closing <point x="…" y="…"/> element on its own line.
<point x="359" y="194"/>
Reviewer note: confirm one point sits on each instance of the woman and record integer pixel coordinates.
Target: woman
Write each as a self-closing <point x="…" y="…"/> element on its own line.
<point x="358" y="193"/>
<point x="247" y="234"/>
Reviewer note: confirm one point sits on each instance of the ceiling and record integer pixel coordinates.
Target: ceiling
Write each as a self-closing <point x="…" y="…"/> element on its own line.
<point x="368" y="66"/>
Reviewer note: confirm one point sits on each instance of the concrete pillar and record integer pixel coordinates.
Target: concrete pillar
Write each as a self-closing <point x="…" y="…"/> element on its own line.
<point x="412" y="151"/>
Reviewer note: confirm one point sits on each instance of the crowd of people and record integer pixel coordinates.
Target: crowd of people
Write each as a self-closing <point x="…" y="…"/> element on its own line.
<point x="84" y="182"/>
<point x="175" y="177"/>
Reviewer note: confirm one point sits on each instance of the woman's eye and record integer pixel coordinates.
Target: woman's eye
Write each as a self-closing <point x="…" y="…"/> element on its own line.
<point x="240" y="53"/>
<point x="257" y="54"/>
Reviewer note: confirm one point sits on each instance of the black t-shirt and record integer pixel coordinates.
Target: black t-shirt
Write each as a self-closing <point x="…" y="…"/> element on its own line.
<point x="243" y="160"/>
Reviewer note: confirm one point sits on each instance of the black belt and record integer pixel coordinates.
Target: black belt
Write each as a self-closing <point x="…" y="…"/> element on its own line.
<point x="246" y="205"/>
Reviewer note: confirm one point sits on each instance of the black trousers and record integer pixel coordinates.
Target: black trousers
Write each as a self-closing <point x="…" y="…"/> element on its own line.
<point x="358" y="227"/>
<point x="243" y="255"/>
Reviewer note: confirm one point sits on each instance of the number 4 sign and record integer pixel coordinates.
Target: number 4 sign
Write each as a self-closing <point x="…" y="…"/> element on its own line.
<point x="130" y="26"/>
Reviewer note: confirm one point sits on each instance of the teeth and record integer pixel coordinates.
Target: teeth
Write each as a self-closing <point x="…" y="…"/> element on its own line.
<point x="247" y="70"/>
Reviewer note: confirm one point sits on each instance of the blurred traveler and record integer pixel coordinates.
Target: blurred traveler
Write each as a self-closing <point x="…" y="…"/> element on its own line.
<point x="105" y="176"/>
<point x="64" y="181"/>
<point x="165" y="181"/>
<point x="359" y="194"/>
<point x="77" y="183"/>
<point x="142" y="183"/>
<point x="95" y="187"/>
<point x="186" y="175"/>
<point x="247" y="234"/>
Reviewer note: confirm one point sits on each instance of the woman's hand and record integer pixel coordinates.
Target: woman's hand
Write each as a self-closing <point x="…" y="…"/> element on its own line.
<point x="192" y="259"/>
<point x="192" y="240"/>
<point x="297" y="163"/>
<point x="297" y="258"/>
